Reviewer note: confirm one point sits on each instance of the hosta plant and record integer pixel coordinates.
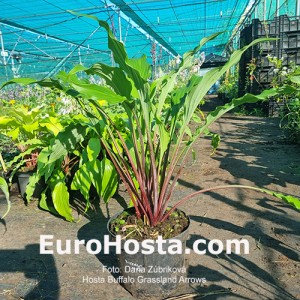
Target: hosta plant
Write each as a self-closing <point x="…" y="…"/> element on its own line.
<point x="74" y="160"/>
<point x="159" y="114"/>
<point x="30" y="128"/>
<point x="39" y="131"/>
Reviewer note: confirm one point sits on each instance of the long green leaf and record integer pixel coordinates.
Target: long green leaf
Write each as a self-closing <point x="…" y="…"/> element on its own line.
<point x="200" y="90"/>
<point x="189" y="55"/>
<point x="51" y="83"/>
<point x="5" y="190"/>
<point x="97" y="92"/>
<point x="114" y="77"/>
<point x="136" y="69"/>
<point x="167" y="83"/>
<point x="43" y="204"/>
<point x="247" y="98"/>
<point x="60" y="198"/>
<point x="82" y="181"/>
<point x="293" y="201"/>
<point x="93" y="148"/>
<point x="30" y="188"/>
<point x="104" y="177"/>
<point x="67" y="140"/>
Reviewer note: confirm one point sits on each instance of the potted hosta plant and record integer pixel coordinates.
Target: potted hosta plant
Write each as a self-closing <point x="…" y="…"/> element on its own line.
<point x="30" y="129"/>
<point x="161" y="117"/>
<point x="59" y="149"/>
<point x="73" y="161"/>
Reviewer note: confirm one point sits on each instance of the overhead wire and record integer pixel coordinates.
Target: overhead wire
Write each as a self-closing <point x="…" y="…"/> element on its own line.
<point x="178" y="21"/>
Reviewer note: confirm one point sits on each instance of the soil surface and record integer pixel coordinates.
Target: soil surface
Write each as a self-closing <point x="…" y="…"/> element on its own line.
<point x="253" y="151"/>
<point x="128" y="226"/>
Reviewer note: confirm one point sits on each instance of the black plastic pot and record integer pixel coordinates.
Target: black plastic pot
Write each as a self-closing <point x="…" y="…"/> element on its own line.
<point x="23" y="180"/>
<point x="149" y="275"/>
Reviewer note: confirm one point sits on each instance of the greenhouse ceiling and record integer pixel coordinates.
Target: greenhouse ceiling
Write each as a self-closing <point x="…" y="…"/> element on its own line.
<point x="40" y="37"/>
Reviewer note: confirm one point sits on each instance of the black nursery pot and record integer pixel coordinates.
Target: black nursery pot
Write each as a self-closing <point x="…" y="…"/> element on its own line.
<point x="23" y="180"/>
<point x="155" y="275"/>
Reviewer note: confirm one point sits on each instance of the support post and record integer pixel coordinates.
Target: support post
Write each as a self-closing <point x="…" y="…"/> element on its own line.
<point x="79" y="56"/>
<point x="3" y="54"/>
<point x="120" y="25"/>
<point x="2" y="48"/>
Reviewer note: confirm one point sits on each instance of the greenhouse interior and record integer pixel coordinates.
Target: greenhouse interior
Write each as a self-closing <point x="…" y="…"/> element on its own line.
<point x="150" y="149"/>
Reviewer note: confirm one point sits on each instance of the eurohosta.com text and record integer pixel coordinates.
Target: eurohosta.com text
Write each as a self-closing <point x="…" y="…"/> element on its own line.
<point x="48" y="245"/>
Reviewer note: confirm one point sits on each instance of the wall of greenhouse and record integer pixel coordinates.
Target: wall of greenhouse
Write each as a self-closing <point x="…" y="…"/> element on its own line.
<point x="265" y="11"/>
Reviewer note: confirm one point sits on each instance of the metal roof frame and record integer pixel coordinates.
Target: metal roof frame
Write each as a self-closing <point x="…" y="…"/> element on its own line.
<point x="49" y="38"/>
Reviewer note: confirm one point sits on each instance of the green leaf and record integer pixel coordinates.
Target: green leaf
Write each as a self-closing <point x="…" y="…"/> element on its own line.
<point x="30" y="188"/>
<point x="295" y="79"/>
<point x="14" y="134"/>
<point x="31" y="127"/>
<point x="93" y="148"/>
<point x="141" y="65"/>
<point x="201" y="89"/>
<point x="53" y="125"/>
<point x="45" y="206"/>
<point x="4" y="121"/>
<point x="215" y="142"/>
<point x="66" y="141"/>
<point x="188" y="56"/>
<point x="287" y="89"/>
<point x="247" y="98"/>
<point x="164" y="138"/>
<point x="104" y="177"/>
<point x="136" y="69"/>
<point x="44" y="168"/>
<point x="48" y="82"/>
<point x="293" y="201"/>
<point x="114" y="77"/>
<point x="97" y="92"/>
<point x="5" y="190"/>
<point x="82" y="181"/>
<point x="60" y="198"/>
<point x="22" y="81"/>
<point x="77" y="68"/>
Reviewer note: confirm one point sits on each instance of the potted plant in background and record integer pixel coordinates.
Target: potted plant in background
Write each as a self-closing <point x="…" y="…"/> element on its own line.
<point x="73" y="161"/>
<point x="228" y="88"/>
<point x="44" y="129"/>
<point x="30" y="118"/>
<point x="30" y="129"/>
<point x="163" y="123"/>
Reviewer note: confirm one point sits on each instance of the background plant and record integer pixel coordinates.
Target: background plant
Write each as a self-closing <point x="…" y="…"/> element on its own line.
<point x="29" y="129"/>
<point x="250" y="74"/>
<point x="74" y="160"/>
<point x="229" y="85"/>
<point x="290" y="112"/>
<point x="34" y="95"/>
<point x="289" y="102"/>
